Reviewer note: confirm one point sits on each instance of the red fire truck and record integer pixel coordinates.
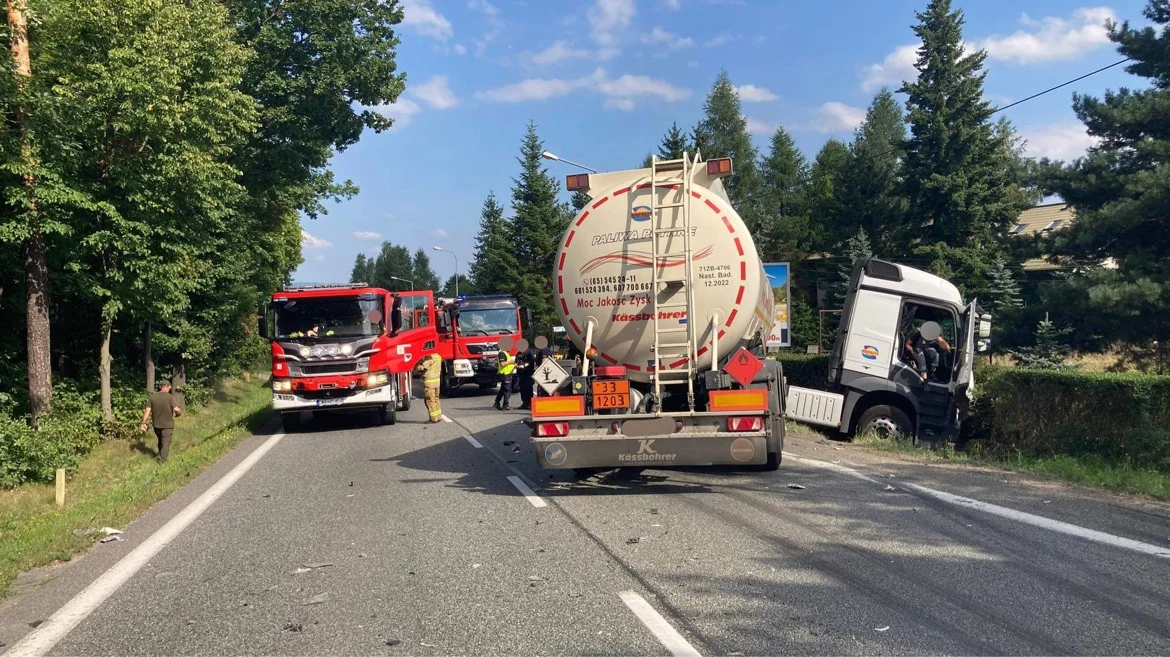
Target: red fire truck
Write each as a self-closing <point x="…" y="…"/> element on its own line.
<point x="470" y="328"/>
<point x="334" y="350"/>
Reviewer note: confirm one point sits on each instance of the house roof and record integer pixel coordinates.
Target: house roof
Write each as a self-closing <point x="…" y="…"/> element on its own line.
<point x="1041" y="219"/>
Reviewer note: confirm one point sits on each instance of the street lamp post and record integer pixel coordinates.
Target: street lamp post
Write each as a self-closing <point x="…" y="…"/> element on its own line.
<point x="550" y="156"/>
<point x="439" y="248"/>
<point x="405" y="280"/>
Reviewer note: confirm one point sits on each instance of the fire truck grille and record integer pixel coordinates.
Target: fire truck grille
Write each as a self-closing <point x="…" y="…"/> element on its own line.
<point x="329" y="368"/>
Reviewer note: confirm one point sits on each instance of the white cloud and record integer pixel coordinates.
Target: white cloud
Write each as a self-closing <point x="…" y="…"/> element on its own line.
<point x="750" y="93"/>
<point x="692" y="64"/>
<point x="1062" y="141"/>
<point x="460" y="49"/>
<point x="717" y="41"/>
<point x="402" y="111"/>
<point x="609" y="19"/>
<point x="319" y="258"/>
<point x="420" y="16"/>
<point x="367" y="235"/>
<point x="896" y="67"/>
<point x="1052" y="38"/>
<point x="436" y="93"/>
<point x="758" y="127"/>
<point x="671" y="41"/>
<point x="559" y="52"/>
<point x="626" y="88"/>
<point x="623" y="104"/>
<point x="310" y="242"/>
<point x="440" y="233"/>
<point x="493" y="24"/>
<point x="672" y="4"/>
<point x="838" y="117"/>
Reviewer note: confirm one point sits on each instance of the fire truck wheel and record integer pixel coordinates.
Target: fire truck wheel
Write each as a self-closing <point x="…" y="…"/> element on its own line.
<point x="290" y="421"/>
<point x="387" y="414"/>
<point x="404" y="398"/>
<point x="446" y="387"/>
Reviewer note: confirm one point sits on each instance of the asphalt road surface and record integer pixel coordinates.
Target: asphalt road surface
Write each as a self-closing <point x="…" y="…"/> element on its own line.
<point x="349" y="538"/>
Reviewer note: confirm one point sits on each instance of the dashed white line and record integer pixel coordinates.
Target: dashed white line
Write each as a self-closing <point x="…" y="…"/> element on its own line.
<point x="48" y="634"/>
<point x="527" y="492"/>
<point x="445" y="418"/>
<point x="658" y="626"/>
<point x="1004" y="512"/>
<point x="474" y="443"/>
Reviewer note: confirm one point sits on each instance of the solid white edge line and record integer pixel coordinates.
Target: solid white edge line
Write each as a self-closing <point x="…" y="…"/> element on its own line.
<point x="658" y="626"/>
<point x="528" y="493"/>
<point x="1004" y="512"/>
<point x="474" y="443"/>
<point x="445" y="418"/>
<point x="41" y="640"/>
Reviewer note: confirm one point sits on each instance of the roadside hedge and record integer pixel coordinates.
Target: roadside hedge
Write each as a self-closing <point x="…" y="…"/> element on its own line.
<point x="805" y="370"/>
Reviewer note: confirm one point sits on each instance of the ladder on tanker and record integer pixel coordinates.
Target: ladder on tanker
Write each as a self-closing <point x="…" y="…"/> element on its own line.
<point x="671" y="254"/>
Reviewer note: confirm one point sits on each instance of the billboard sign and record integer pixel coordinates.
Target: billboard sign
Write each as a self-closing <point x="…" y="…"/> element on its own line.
<point x="778" y="278"/>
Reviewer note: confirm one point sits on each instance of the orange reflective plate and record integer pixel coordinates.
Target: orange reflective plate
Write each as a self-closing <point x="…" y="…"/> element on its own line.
<point x="557" y="406"/>
<point x="754" y="399"/>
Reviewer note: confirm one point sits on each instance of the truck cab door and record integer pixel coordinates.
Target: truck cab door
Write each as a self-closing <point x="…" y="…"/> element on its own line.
<point x="964" y="375"/>
<point x="415" y="336"/>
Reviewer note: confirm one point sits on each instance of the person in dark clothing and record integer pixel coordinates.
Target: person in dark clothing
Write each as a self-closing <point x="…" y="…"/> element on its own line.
<point x="525" y="366"/>
<point x="161" y="410"/>
<point x="395" y="315"/>
<point x="924" y="349"/>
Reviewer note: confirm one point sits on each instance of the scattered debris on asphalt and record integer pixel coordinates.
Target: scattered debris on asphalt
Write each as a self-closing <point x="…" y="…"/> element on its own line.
<point x="299" y="571"/>
<point x="889" y="487"/>
<point x="515" y="449"/>
<point x="393" y="642"/>
<point x="266" y="495"/>
<point x="323" y="564"/>
<point x="35" y="624"/>
<point x="110" y="531"/>
<point x="882" y="629"/>
<point x="318" y="599"/>
<point x="653" y="512"/>
<point x="509" y="442"/>
<point x="429" y="645"/>
<point x="350" y="495"/>
<point x="351" y="484"/>
<point x="293" y="627"/>
<point x="111" y="538"/>
<point x="632" y="541"/>
<point x="796" y="487"/>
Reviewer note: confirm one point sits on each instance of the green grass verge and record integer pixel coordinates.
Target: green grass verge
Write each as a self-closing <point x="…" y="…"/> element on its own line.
<point x="120" y="480"/>
<point x="1085" y="470"/>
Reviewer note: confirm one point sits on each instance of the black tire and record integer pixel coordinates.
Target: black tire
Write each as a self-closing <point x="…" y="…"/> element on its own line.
<point x="290" y="422"/>
<point x="446" y="389"/>
<point x="886" y="422"/>
<point x="773" y="461"/>
<point x="404" y="395"/>
<point x="387" y="415"/>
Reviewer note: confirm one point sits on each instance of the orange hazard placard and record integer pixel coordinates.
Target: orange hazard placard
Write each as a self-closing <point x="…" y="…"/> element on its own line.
<point x="743" y="366"/>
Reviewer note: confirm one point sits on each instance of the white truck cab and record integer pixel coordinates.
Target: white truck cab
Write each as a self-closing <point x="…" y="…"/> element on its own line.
<point x="903" y="358"/>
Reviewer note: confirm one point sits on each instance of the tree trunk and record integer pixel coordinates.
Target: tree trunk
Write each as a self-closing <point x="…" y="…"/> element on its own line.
<point x="149" y="357"/>
<point x="40" y="366"/>
<point x="179" y="385"/>
<point x="104" y="370"/>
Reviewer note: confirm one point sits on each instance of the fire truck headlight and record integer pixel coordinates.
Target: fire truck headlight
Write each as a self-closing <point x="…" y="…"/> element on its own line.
<point x="281" y="385"/>
<point x="377" y="379"/>
<point x="346" y="349"/>
<point x="305" y="351"/>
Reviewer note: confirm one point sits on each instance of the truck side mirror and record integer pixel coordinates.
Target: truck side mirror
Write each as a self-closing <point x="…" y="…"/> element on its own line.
<point x="985" y="326"/>
<point x="262" y="322"/>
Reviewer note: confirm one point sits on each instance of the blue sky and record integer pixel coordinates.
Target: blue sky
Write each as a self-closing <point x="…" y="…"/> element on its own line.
<point x="603" y="79"/>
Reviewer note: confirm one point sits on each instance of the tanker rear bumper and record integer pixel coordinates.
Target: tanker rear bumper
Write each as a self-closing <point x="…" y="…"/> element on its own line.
<point x="592" y="443"/>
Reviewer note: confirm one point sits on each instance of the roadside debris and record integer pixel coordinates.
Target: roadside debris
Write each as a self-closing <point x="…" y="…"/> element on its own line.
<point x="293" y="627"/>
<point x="393" y="642"/>
<point x="110" y="531"/>
<point x="318" y="599"/>
<point x="653" y="512"/>
<point x="632" y="541"/>
<point x="882" y="629"/>
<point x="509" y="442"/>
<point x="429" y="645"/>
<point x="314" y="566"/>
<point x="299" y="571"/>
<point x="889" y="487"/>
<point x="796" y="487"/>
<point x="111" y="538"/>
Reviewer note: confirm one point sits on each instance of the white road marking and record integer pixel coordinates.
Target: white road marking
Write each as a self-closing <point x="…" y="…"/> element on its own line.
<point x="41" y="640"/>
<point x="474" y="443"/>
<point x="445" y="418"/>
<point x="658" y="626"/>
<point x="527" y="492"/>
<point x="1005" y="512"/>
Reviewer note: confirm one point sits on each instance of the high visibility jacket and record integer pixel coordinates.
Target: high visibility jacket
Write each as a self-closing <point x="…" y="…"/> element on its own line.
<point x="506" y="363"/>
<point x="432" y="367"/>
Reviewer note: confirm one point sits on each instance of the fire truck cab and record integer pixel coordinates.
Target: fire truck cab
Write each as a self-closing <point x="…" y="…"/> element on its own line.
<point x="469" y="330"/>
<point x="341" y="348"/>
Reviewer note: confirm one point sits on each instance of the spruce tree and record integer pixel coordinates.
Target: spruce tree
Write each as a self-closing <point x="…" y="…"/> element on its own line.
<point x="723" y="133"/>
<point x="1050" y="350"/>
<point x="870" y="185"/>
<point x="783" y="206"/>
<point x="827" y="209"/>
<point x="538" y="223"/>
<point x="360" y="272"/>
<point x="1001" y="290"/>
<point x="1121" y="191"/>
<point x="579" y="200"/>
<point x="493" y="269"/>
<point x="392" y="264"/>
<point x="423" y="276"/>
<point x="674" y="144"/>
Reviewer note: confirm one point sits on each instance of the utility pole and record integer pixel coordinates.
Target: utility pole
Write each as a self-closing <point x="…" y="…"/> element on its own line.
<point x="40" y="372"/>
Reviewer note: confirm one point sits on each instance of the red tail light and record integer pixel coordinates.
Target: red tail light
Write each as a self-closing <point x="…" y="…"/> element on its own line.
<point x="754" y="423"/>
<point x="550" y="429"/>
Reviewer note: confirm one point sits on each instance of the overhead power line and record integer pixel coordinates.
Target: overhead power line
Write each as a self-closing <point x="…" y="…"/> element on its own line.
<point x="1063" y="84"/>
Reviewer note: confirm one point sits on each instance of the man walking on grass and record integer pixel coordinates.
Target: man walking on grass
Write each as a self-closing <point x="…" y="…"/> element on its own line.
<point x="161" y="410"/>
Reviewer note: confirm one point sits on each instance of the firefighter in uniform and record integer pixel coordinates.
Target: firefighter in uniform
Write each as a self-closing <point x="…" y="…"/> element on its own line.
<point x="505" y="366"/>
<point x="431" y="369"/>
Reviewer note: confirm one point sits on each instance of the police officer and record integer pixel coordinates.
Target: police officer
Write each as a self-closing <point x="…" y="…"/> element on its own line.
<point x="505" y="366"/>
<point x="431" y="368"/>
<point x="525" y="366"/>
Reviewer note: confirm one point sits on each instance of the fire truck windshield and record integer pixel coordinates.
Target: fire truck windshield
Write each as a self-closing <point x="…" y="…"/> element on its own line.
<point x="487" y="321"/>
<point x="329" y="317"/>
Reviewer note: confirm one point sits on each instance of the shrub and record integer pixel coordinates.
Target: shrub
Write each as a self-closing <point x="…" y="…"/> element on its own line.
<point x="805" y="370"/>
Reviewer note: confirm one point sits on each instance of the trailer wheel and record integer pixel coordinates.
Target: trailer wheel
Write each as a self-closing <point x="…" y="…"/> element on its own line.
<point x="886" y="422"/>
<point x="773" y="461"/>
<point x="290" y="422"/>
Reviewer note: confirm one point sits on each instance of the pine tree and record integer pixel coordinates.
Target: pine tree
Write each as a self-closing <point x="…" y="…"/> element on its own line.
<point x="393" y="268"/>
<point x="1001" y="290"/>
<point x="870" y="185"/>
<point x="360" y="271"/>
<point x="493" y="269"/>
<point x="857" y="247"/>
<point x="674" y="144"/>
<point x="579" y="200"/>
<point x="723" y="133"/>
<point x="1121" y="191"/>
<point x="1050" y="351"/>
<point x="538" y="223"/>
<point x="827" y="208"/>
<point x="466" y="286"/>
<point x="959" y="189"/>
<point x="422" y="274"/>
<point x="783" y="206"/>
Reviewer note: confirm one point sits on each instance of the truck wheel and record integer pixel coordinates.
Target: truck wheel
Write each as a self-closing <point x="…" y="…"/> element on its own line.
<point x="290" y="422"/>
<point x="387" y="414"/>
<point x="446" y="388"/>
<point x="404" y="395"/>
<point x="773" y="461"/>
<point x="886" y="422"/>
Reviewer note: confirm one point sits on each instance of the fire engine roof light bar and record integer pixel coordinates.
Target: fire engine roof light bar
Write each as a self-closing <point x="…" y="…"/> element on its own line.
<point x="556" y="158"/>
<point x="324" y="286"/>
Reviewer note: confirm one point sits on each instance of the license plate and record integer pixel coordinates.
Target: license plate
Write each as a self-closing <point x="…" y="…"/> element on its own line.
<point x="329" y="402"/>
<point x="611" y="393"/>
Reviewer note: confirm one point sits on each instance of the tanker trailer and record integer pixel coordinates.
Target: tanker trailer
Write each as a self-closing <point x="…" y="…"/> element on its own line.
<point x="658" y="283"/>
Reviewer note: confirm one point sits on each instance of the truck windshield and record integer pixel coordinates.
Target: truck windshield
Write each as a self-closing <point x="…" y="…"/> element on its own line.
<point x="487" y="321"/>
<point x="329" y="317"/>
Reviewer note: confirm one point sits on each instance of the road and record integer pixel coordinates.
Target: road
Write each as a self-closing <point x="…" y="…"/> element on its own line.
<point x="348" y="538"/>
